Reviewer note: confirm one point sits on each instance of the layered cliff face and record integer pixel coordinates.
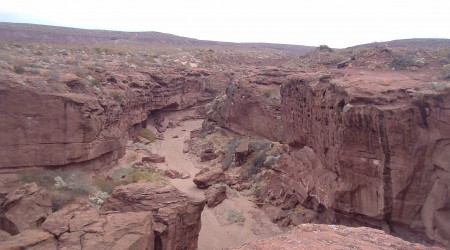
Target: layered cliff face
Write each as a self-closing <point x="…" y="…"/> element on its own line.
<point x="251" y="105"/>
<point x="90" y="128"/>
<point x="379" y="156"/>
<point x="368" y="148"/>
<point x="177" y="217"/>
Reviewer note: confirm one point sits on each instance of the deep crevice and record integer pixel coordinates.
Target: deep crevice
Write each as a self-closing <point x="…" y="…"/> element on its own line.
<point x="387" y="178"/>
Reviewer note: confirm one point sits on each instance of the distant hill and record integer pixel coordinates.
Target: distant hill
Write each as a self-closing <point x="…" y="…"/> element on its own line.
<point x="410" y="43"/>
<point x="52" y="34"/>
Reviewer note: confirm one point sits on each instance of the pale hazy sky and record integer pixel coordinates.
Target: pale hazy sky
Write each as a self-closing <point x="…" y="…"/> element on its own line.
<point x="337" y="23"/>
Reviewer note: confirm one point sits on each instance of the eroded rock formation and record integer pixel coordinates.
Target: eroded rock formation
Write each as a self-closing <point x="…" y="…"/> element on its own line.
<point x="176" y="216"/>
<point x="83" y="227"/>
<point x="84" y="128"/>
<point x="378" y="157"/>
<point x="367" y="148"/>
<point x="25" y="208"/>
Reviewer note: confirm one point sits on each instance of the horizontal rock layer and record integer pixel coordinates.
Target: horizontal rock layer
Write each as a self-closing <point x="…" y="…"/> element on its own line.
<point x="369" y="148"/>
<point x="177" y="218"/>
<point x="379" y="158"/>
<point x="85" y="128"/>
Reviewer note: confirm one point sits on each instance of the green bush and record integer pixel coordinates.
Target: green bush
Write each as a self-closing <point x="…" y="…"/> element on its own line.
<point x="106" y="185"/>
<point x="235" y="216"/>
<point x="121" y="173"/>
<point x="19" y="69"/>
<point x="98" y="199"/>
<point x="402" y="61"/>
<point x="128" y="175"/>
<point x="445" y="72"/>
<point x="147" y="134"/>
<point x="229" y="154"/>
<point x="147" y="175"/>
<point x="267" y="93"/>
<point x="117" y="97"/>
<point x="35" y="72"/>
<point x="61" y="198"/>
<point x="65" y="185"/>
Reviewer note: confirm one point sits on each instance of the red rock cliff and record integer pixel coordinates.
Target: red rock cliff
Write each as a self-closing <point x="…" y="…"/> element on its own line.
<point x="381" y="156"/>
<point x="85" y="128"/>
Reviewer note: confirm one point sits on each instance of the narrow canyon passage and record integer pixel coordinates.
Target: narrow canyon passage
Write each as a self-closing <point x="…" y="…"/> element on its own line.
<point x="216" y="231"/>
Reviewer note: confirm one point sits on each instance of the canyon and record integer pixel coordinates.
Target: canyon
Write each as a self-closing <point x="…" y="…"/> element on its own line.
<point x="280" y="139"/>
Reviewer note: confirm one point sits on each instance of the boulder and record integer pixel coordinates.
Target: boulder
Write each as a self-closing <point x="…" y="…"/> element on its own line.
<point x="154" y="158"/>
<point x="172" y="174"/>
<point x="208" y="155"/>
<point x="176" y="215"/>
<point x="25" y="208"/>
<point x="30" y="239"/>
<point x="83" y="227"/>
<point x="215" y="195"/>
<point x="207" y="177"/>
<point x="242" y="151"/>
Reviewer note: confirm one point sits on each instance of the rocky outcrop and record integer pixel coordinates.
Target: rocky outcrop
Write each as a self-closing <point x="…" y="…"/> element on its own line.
<point x="207" y="177"/>
<point x="82" y="227"/>
<point x="176" y="216"/>
<point x="89" y="128"/>
<point x="24" y="209"/>
<point x="376" y="157"/>
<point x="153" y="158"/>
<point x="208" y="155"/>
<point x="30" y="239"/>
<point x="215" y="195"/>
<point x="314" y="236"/>
<point x="246" y="110"/>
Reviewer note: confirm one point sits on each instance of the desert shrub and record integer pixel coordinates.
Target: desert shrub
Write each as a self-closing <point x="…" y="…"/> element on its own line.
<point x="402" y="61"/>
<point x="121" y="173"/>
<point x="142" y="147"/>
<point x="106" y="185"/>
<point x="270" y="160"/>
<point x="53" y="75"/>
<point x="132" y="175"/>
<point x="257" y="144"/>
<point x="148" y="175"/>
<point x="98" y="199"/>
<point x="235" y="216"/>
<point x="79" y="71"/>
<point x="59" y="87"/>
<point x="35" y="72"/>
<point x="437" y="86"/>
<point x="229" y="153"/>
<point x="117" y="97"/>
<point x="60" y="183"/>
<point x="267" y="93"/>
<point x="79" y="183"/>
<point x="325" y="48"/>
<point x="42" y="177"/>
<point x="132" y="156"/>
<point x="147" y="134"/>
<point x="445" y="73"/>
<point x="256" y="163"/>
<point x="94" y="82"/>
<point x="19" y="69"/>
<point x="60" y="198"/>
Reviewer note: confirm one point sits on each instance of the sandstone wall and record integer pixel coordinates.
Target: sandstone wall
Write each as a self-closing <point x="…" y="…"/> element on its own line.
<point x="244" y="109"/>
<point x="368" y="158"/>
<point x="177" y="217"/>
<point x="87" y="129"/>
